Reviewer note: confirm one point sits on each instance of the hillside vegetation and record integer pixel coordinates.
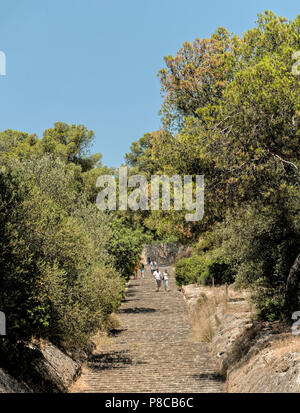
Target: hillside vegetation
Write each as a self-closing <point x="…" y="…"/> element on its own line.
<point x="230" y="112"/>
<point x="63" y="262"/>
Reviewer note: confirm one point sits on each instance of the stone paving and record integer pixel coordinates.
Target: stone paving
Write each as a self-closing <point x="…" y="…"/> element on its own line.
<point x="153" y="351"/>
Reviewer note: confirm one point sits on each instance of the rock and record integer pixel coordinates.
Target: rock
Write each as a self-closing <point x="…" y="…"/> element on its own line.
<point x="254" y="356"/>
<point x="257" y="357"/>
<point x="9" y="385"/>
<point x="165" y="254"/>
<point x="54" y="368"/>
<point x="230" y="343"/>
<point x="191" y="291"/>
<point x="267" y="373"/>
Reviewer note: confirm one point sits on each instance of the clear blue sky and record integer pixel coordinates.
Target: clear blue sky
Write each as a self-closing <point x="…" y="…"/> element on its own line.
<point x="95" y="62"/>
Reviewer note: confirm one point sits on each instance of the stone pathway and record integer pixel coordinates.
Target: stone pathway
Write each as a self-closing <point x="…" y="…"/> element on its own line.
<point x="153" y="351"/>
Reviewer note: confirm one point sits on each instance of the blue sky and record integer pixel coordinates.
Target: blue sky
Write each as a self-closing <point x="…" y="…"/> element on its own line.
<point x="95" y="62"/>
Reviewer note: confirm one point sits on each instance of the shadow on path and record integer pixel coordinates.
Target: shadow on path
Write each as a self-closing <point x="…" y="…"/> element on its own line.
<point x="137" y="310"/>
<point x="150" y="351"/>
<point x="209" y="376"/>
<point x="112" y="360"/>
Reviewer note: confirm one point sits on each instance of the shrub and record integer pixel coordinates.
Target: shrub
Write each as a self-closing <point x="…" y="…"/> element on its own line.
<point x="57" y="279"/>
<point x="204" y="310"/>
<point x="263" y="243"/>
<point x="189" y="270"/>
<point x="217" y="269"/>
<point x="125" y="245"/>
<point x="202" y="268"/>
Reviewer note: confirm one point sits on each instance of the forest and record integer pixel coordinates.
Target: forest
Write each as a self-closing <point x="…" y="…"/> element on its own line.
<point x="230" y="112"/>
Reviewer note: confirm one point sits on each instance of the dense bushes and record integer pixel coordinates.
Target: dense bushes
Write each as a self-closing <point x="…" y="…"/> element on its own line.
<point x="231" y="113"/>
<point x="260" y="245"/>
<point x="203" y="269"/>
<point x="63" y="262"/>
<point x="125" y="245"/>
<point x="57" y="279"/>
<point x="188" y="270"/>
<point x="263" y="243"/>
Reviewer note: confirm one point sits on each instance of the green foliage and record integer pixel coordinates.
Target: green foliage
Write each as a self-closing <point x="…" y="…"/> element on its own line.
<point x="189" y="270"/>
<point x="58" y="281"/>
<point x="263" y="244"/>
<point x="125" y="245"/>
<point x="70" y="143"/>
<point x="196" y="76"/>
<point x="271" y="308"/>
<point x="61" y="257"/>
<point x="140" y="155"/>
<point x="202" y="269"/>
<point x="231" y="113"/>
<point x="16" y="143"/>
<point x="217" y="269"/>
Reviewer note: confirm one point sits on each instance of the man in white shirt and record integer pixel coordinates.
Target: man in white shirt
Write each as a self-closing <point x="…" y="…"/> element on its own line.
<point x="152" y="267"/>
<point x="158" y="277"/>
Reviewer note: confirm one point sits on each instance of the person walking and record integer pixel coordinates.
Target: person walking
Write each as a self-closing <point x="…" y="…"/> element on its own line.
<point x="136" y="268"/>
<point x="152" y="266"/>
<point x="157" y="276"/>
<point x="142" y="270"/>
<point x="165" y="278"/>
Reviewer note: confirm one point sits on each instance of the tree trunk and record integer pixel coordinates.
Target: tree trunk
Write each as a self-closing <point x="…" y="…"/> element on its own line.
<point x="291" y="289"/>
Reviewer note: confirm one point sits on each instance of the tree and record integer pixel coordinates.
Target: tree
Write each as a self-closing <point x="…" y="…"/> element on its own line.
<point x="58" y="281"/>
<point x="233" y="105"/>
<point x="15" y="143"/>
<point x="196" y="77"/>
<point x="71" y="143"/>
<point x="125" y="245"/>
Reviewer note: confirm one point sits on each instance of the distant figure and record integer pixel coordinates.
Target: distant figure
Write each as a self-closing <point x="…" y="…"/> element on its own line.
<point x="136" y="268"/>
<point x="142" y="269"/>
<point x="165" y="278"/>
<point x="148" y="260"/>
<point x="157" y="276"/>
<point x="153" y="266"/>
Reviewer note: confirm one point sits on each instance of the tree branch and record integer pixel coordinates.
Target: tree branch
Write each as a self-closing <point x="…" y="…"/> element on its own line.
<point x="282" y="160"/>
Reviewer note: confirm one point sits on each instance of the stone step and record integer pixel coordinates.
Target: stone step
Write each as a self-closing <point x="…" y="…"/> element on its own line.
<point x="153" y="351"/>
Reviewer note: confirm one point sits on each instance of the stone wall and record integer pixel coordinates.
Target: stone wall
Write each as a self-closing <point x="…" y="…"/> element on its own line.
<point x="260" y="358"/>
<point x="10" y="385"/>
<point x="165" y="254"/>
<point x="51" y="371"/>
<point x="254" y="356"/>
<point x="54" y="370"/>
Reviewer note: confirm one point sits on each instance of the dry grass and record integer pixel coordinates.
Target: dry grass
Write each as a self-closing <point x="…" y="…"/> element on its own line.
<point x="113" y="322"/>
<point x="289" y="344"/>
<point x="213" y="303"/>
<point x="203" y="325"/>
<point x="102" y="339"/>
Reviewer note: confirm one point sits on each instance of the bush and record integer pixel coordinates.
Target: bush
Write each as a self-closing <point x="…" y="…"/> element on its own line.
<point x="203" y="268"/>
<point x="218" y="270"/>
<point x="125" y="246"/>
<point x="57" y="279"/>
<point x="189" y="270"/>
<point x="264" y="244"/>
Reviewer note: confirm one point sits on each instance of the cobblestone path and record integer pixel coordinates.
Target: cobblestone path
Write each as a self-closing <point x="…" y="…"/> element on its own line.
<point x="153" y="350"/>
